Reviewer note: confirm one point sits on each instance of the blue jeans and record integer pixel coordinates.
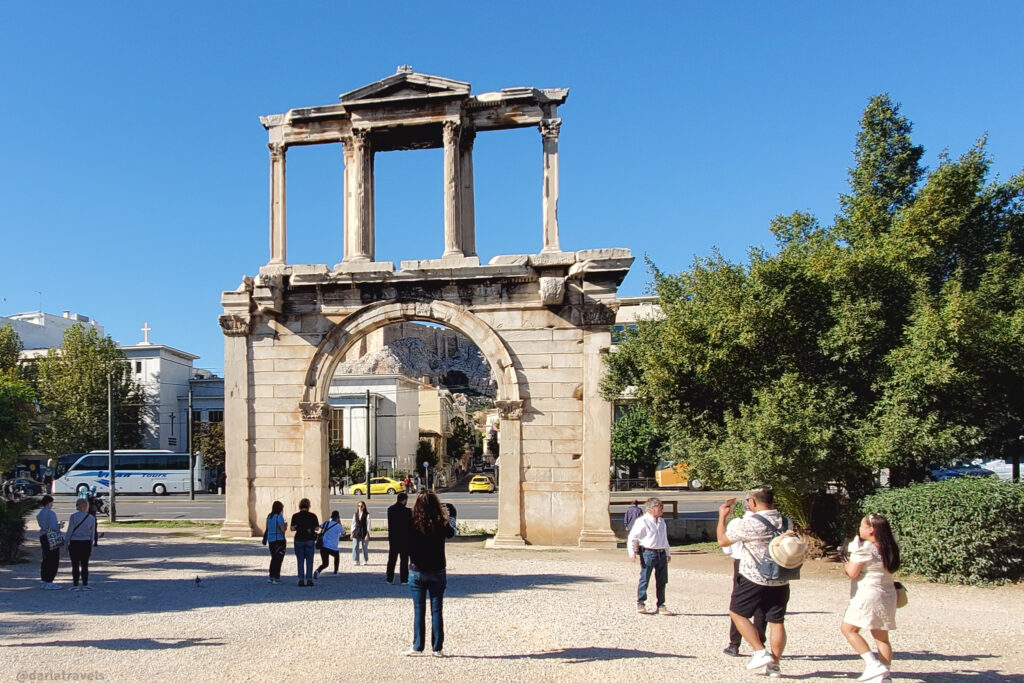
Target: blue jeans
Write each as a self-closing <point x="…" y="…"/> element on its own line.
<point x="355" y="549"/>
<point x="652" y="562"/>
<point x="420" y="583"/>
<point x="304" y="558"/>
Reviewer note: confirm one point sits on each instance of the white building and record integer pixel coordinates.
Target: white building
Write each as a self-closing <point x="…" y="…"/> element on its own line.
<point x="41" y="332"/>
<point x="393" y="416"/>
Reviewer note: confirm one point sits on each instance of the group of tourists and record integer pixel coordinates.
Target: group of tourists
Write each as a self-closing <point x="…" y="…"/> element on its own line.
<point x="416" y="544"/>
<point x="758" y="542"/>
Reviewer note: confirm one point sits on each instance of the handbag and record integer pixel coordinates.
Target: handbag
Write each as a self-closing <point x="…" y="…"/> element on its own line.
<point x="319" y="543"/>
<point x="901" y="595"/>
<point x="54" y="539"/>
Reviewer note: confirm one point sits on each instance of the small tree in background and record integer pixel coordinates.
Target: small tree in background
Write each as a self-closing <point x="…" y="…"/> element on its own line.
<point x="425" y="452"/>
<point x="357" y="470"/>
<point x="209" y="440"/>
<point x="337" y="456"/>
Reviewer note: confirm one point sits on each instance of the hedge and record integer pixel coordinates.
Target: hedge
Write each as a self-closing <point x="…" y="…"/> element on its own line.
<point x="967" y="530"/>
<point x="12" y="527"/>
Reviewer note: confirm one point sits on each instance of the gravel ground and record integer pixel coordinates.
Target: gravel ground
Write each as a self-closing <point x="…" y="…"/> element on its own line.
<point x="515" y="615"/>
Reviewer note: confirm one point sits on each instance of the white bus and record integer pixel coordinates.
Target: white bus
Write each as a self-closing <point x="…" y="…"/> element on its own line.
<point x="137" y="471"/>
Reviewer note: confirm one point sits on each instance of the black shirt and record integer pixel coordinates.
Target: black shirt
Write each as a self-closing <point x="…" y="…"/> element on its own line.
<point x="306" y="524"/>
<point x="399" y="520"/>
<point x="426" y="552"/>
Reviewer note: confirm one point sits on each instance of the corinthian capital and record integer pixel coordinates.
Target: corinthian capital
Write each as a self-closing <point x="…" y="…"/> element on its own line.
<point x="549" y="128"/>
<point x="314" y="412"/>
<point x="451" y="132"/>
<point x="234" y="325"/>
<point x="276" y="150"/>
<point x="510" y="410"/>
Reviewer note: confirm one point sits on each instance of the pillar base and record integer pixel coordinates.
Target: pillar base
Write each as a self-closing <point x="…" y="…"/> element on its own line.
<point x="236" y="529"/>
<point x="507" y="541"/>
<point x="603" y="540"/>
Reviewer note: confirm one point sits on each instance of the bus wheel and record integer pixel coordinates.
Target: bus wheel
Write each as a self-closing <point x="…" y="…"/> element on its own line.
<point x="81" y="488"/>
<point x="159" y="489"/>
<point x="696" y="485"/>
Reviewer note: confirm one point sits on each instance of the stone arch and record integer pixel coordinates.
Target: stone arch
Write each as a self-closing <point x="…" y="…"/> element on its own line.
<point x="376" y="315"/>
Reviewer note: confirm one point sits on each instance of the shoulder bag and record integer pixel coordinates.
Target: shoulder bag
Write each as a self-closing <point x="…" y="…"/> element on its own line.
<point x="901" y="595"/>
<point x="54" y="539"/>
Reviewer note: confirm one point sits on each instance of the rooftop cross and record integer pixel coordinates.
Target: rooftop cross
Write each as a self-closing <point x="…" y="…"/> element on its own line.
<point x="145" y="331"/>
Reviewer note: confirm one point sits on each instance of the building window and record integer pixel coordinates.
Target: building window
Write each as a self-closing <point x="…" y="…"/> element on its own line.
<point x="171" y="441"/>
<point x="138" y="367"/>
<point x="335" y="429"/>
<point x="215" y="416"/>
<point x="197" y="416"/>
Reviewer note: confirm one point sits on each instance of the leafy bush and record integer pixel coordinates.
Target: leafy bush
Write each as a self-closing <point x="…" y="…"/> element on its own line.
<point x="965" y="530"/>
<point x="12" y="527"/>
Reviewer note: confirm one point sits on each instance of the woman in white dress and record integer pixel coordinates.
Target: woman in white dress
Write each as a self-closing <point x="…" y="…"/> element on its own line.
<point x="874" y="557"/>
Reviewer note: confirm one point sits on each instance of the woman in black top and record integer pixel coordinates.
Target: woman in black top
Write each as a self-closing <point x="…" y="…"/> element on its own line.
<point x="431" y="527"/>
<point x="305" y="525"/>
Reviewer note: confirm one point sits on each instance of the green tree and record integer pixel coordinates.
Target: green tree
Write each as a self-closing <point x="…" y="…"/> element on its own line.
<point x="425" y="453"/>
<point x="636" y="439"/>
<point x="463" y="435"/>
<point x="357" y="470"/>
<point x="10" y="348"/>
<point x="890" y="339"/>
<point x="338" y="456"/>
<point x="208" y="439"/>
<point x="73" y="393"/>
<point x="17" y="410"/>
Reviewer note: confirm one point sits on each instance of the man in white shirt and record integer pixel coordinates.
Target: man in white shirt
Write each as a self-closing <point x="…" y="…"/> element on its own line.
<point x="649" y="539"/>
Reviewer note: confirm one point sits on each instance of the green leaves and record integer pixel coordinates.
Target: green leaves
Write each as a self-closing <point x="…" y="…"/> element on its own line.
<point x="17" y="410"/>
<point x="73" y="394"/>
<point x="962" y="530"/>
<point x="890" y="339"/>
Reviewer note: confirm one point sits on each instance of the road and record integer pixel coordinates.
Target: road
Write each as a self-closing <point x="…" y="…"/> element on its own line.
<point x="470" y="506"/>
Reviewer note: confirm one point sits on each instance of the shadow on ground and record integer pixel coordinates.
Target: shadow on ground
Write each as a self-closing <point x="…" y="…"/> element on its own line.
<point x="583" y="655"/>
<point x="128" y="577"/>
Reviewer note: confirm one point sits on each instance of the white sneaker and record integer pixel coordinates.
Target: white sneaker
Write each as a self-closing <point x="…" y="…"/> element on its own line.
<point x="773" y="671"/>
<point x="873" y="669"/>
<point x="413" y="653"/>
<point x="51" y="587"/>
<point x="437" y="653"/>
<point x="761" y="660"/>
<point x="87" y="588"/>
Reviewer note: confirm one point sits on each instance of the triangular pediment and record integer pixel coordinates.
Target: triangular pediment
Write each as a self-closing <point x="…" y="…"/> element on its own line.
<point x="406" y="84"/>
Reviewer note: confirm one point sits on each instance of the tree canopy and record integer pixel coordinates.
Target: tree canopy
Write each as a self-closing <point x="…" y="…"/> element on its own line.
<point x="891" y="338"/>
<point x="73" y="393"/>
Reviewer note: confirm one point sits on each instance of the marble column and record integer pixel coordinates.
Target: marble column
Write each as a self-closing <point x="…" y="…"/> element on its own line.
<point x="315" y="456"/>
<point x="238" y="504"/>
<point x="549" y="134"/>
<point x="452" y="191"/>
<point x="278" y="228"/>
<point x="510" y="513"/>
<point x="467" y="203"/>
<point x="597" y="437"/>
<point x="358" y="197"/>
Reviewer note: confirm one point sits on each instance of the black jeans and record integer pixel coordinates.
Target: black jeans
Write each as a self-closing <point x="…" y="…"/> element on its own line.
<point x="759" y="621"/>
<point x="276" y="558"/>
<point x="51" y="560"/>
<point x="397" y="550"/>
<point x="325" y="555"/>
<point x="80" y="552"/>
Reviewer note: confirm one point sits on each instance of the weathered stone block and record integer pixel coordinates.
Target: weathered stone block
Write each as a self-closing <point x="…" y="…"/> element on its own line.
<point x="569" y="419"/>
<point x="536" y="446"/>
<point x="531" y="431"/>
<point x="573" y="446"/>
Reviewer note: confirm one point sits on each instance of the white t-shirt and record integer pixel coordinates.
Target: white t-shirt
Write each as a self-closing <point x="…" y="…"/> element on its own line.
<point x="332" y="532"/>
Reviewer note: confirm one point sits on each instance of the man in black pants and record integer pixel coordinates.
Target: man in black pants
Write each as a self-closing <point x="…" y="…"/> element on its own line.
<point x="399" y="520"/>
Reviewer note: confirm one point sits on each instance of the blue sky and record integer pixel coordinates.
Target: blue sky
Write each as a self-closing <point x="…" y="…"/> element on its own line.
<point x="134" y="171"/>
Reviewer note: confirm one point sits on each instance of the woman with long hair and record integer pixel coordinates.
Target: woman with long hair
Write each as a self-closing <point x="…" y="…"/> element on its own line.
<point x="874" y="557"/>
<point x="431" y="527"/>
<point x="276" y="540"/>
<point x="361" y="533"/>
<point x="330" y="534"/>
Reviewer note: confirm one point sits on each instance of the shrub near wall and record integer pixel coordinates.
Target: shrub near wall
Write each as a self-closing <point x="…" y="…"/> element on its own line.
<point x="968" y="530"/>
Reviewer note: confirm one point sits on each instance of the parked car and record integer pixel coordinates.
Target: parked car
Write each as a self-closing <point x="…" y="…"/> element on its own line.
<point x="960" y="469"/>
<point x="1003" y="469"/>
<point x="481" y="484"/>
<point x="26" y="487"/>
<point x="377" y="485"/>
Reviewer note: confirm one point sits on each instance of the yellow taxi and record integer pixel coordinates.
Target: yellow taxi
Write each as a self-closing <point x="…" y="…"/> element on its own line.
<point x="481" y="484"/>
<point x="377" y="485"/>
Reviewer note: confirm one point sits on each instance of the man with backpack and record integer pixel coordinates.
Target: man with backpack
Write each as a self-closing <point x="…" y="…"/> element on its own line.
<point x="763" y="582"/>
